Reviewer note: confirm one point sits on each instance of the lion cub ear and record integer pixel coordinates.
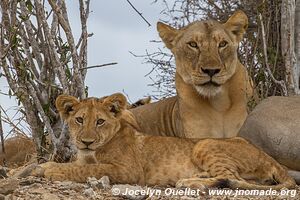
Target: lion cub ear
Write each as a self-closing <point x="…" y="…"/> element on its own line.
<point x="237" y="24"/>
<point x="167" y="34"/>
<point x="65" y="104"/>
<point x="116" y="103"/>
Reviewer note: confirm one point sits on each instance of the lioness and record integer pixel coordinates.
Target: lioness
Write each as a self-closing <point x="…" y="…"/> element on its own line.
<point x="109" y="144"/>
<point x="18" y="150"/>
<point x="212" y="85"/>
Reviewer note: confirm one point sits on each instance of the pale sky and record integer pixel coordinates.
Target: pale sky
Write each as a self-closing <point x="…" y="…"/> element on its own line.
<point x="117" y="30"/>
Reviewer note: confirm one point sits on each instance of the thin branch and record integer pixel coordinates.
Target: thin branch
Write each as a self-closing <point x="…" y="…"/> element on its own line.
<point x="96" y="66"/>
<point x="1" y="134"/>
<point x="61" y="13"/>
<point x="84" y="13"/>
<point x="30" y="33"/>
<point x="40" y="109"/>
<point x="140" y="14"/>
<point x="281" y="83"/>
<point x="15" y="126"/>
<point x="51" y="45"/>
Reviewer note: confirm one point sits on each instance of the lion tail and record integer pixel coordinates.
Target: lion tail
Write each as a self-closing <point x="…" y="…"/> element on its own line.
<point x="281" y="179"/>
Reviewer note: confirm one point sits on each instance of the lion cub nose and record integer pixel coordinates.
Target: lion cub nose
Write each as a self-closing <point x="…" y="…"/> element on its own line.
<point x="87" y="142"/>
<point x="210" y="72"/>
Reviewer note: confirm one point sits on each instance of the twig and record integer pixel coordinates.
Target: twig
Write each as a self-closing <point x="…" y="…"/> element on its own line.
<point x="138" y="12"/>
<point x="84" y="13"/>
<point x="61" y="13"/>
<point x="39" y="107"/>
<point x="1" y="134"/>
<point x="31" y="36"/>
<point x="281" y="83"/>
<point x="15" y="126"/>
<point x="51" y="46"/>
<point x="96" y="66"/>
<point x="127" y="96"/>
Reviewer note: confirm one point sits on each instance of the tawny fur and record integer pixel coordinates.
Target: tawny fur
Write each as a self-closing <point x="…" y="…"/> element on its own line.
<point x="18" y="151"/>
<point x="201" y="109"/>
<point x="115" y="148"/>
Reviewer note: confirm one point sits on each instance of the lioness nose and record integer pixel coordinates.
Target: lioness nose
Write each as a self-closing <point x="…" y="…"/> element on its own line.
<point x="210" y="72"/>
<point x="87" y="142"/>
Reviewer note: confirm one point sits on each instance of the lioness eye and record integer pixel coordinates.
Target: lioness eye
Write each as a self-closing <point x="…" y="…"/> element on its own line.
<point x="79" y="120"/>
<point x="100" y="122"/>
<point x="223" y="44"/>
<point x="193" y="44"/>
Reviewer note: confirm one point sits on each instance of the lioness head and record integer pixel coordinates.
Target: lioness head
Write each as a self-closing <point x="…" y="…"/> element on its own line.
<point x="93" y="122"/>
<point x="206" y="51"/>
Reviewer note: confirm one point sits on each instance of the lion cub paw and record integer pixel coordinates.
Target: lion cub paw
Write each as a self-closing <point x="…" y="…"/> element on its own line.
<point x="49" y="170"/>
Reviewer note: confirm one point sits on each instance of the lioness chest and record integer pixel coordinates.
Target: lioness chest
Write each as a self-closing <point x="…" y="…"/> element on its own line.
<point x="212" y="125"/>
<point x="205" y="121"/>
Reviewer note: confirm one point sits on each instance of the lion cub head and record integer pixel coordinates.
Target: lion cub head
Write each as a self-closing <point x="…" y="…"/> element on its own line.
<point x="93" y="122"/>
<point x="206" y="51"/>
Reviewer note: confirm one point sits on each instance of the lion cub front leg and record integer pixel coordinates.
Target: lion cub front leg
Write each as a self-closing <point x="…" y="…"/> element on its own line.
<point x="54" y="171"/>
<point x="75" y="172"/>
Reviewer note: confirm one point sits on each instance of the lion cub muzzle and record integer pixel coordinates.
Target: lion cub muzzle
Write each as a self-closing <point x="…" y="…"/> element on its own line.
<point x="87" y="142"/>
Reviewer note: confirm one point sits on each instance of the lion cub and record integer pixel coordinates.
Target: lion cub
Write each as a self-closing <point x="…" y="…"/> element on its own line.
<point x="109" y="144"/>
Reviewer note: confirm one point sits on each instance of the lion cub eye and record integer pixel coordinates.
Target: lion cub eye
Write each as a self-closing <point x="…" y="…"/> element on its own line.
<point x="100" y="122"/>
<point x="79" y="120"/>
<point x="193" y="44"/>
<point x="223" y="44"/>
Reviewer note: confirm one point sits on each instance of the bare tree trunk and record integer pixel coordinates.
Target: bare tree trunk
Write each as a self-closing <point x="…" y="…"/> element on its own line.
<point x="288" y="46"/>
<point x="39" y="64"/>
<point x="297" y="37"/>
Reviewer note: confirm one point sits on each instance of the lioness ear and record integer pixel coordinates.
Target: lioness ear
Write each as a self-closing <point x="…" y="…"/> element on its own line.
<point x="116" y="103"/>
<point x="237" y="24"/>
<point x="167" y="34"/>
<point x="65" y="104"/>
